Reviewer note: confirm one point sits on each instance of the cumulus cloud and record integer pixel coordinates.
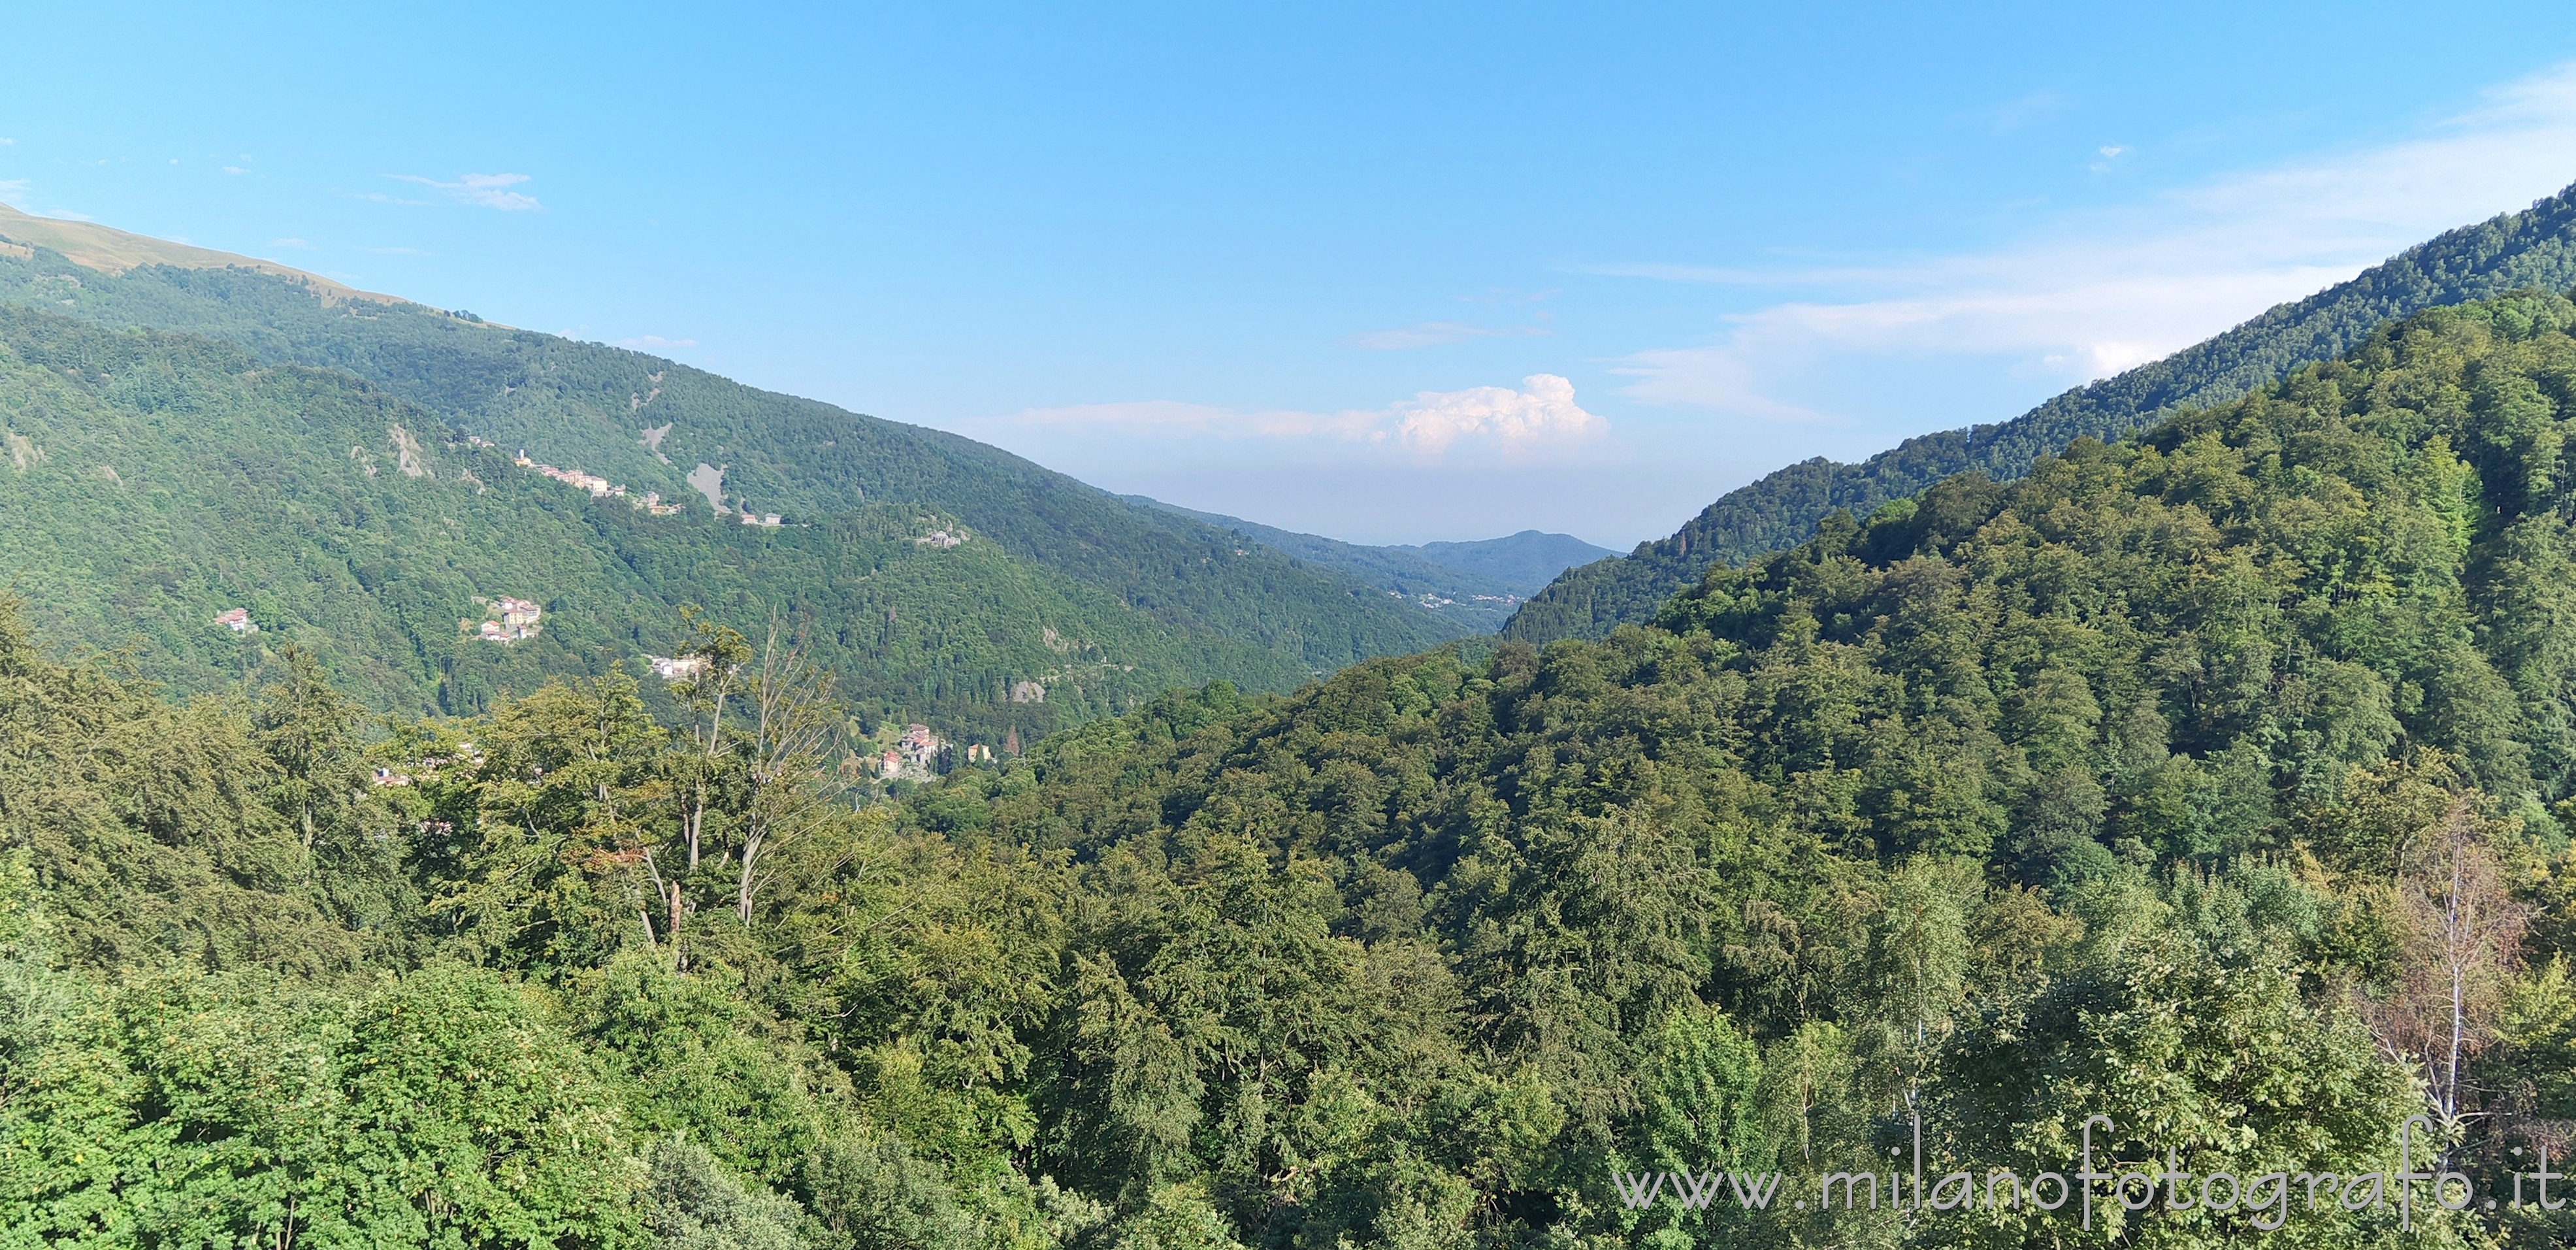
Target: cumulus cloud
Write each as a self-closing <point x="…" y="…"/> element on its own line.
<point x="482" y="190"/>
<point x="1542" y="414"/>
<point x="2103" y="291"/>
<point x="1437" y="333"/>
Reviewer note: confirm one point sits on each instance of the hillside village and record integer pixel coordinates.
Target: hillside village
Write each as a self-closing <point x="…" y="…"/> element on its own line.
<point x="673" y="669"/>
<point x="599" y="487"/>
<point x="505" y="620"/>
<point x="918" y="754"/>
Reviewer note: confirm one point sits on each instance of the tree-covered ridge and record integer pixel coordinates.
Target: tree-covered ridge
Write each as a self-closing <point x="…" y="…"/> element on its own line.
<point x="1880" y="815"/>
<point x="2240" y="605"/>
<point x="1473" y="602"/>
<point x="2192" y="781"/>
<point x="152" y="481"/>
<point x="2533" y="248"/>
<point x="648" y="423"/>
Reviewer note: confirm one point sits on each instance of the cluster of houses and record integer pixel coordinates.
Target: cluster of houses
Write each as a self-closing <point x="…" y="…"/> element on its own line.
<point x="507" y="621"/>
<point x="599" y="487"/>
<point x="920" y="754"/>
<point x="676" y="668"/>
<point x="916" y="753"/>
<point x="941" y="539"/>
<point x="237" y="620"/>
<point x="767" y="520"/>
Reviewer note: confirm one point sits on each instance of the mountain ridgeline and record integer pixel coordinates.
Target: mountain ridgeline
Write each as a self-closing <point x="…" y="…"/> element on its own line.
<point x="2214" y="782"/>
<point x="185" y="440"/>
<point x="1477" y="585"/>
<point x="2533" y="248"/>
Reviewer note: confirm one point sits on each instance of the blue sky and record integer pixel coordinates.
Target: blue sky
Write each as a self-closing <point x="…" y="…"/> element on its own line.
<point x="1381" y="272"/>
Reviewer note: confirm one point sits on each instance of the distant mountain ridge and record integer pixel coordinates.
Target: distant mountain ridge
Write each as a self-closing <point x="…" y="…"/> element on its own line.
<point x="112" y="251"/>
<point x="1526" y="561"/>
<point x="1475" y="584"/>
<point x="2532" y="248"/>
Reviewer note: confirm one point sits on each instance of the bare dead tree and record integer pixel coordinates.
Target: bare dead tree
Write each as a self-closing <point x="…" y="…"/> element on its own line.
<point x="2462" y="937"/>
<point x="793" y="717"/>
<point x="718" y="653"/>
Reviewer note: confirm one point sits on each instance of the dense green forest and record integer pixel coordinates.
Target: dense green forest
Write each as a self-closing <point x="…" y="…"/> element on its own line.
<point x="154" y="480"/>
<point x="2214" y="782"/>
<point x="2534" y="248"/>
<point x="648" y="424"/>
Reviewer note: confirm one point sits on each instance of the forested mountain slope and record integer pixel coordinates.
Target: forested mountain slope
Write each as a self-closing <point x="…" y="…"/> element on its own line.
<point x="1474" y="602"/>
<point x="2535" y="248"/>
<point x="649" y="424"/>
<point x="1476" y="584"/>
<point x="2212" y="782"/>
<point x="152" y="481"/>
<point x="1526" y="561"/>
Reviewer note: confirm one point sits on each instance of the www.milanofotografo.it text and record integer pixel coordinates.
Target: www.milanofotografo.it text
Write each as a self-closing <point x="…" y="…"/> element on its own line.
<point x="2268" y="1198"/>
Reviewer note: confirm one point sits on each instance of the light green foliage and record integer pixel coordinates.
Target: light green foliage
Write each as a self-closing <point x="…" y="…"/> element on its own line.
<point x="691" y="1204"/>
<point x="186" y="1109"/>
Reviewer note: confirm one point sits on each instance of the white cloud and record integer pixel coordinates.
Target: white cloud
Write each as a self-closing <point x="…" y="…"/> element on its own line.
<point x="288" y="243"/>
<point x="1541" y="415"/>
<point x="652" y="343"/>
<point x="2104" y="291"/>
<point x="8" y="143"/>
<point x="397" y="251"/>
<point x="482" y="190"/>
<point x="1438" y="333"/>
<point x="235" y="169"/>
